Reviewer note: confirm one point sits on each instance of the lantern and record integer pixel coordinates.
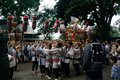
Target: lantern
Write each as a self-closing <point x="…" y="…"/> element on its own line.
<point x="46" y="25"/>
<point x="34" y="21"/>
<point x="56" y="25"/>
<point x="10" y="23"/>
<point x="25" y="23"/>
<point x="62" y="27"/>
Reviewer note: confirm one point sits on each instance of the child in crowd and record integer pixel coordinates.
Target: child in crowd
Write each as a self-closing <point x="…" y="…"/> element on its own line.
<point x="115" y="72"/>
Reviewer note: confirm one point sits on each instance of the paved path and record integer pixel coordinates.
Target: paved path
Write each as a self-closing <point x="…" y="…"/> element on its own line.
<point x="24" y="73"/>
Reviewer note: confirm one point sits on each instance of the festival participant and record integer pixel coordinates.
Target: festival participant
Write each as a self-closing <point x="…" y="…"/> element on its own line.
<point x="46" y="50"/>
<point x="113" y="50"/>
<point x="92" y="59"/>
<point x="74" y="53"/>
<point x="12" y="64"/>
<point x="55" y="52"/>
<point x="118" y="51"/>
<point x="10" y="49"/>
<point x="62" y="60"/>
<point x="42" y="59"/>
<point x="13" y="53"/>
<point x="28" y="51"/>
<point x="61" y="54"/>
<point x="18" y="49"/>
<point x="22" y="50"/>
<point x="67" y="59"/>
<point x="76" y="58"/>
<point x="16" y="55"/>
<point x="35" y="58"/>
<point x="30" y="54"/>
<point x="115" y="72"/>
<point x="107" y="50"/>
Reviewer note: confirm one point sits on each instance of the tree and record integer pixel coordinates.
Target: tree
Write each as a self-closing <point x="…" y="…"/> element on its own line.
<point x="115" y="32"/>
<point x="18" y="7"/>
<point x="117" y="23"/>
<point x="48" y="14"/>
<point x="92" y="11"/>
<point x="62" y="36"/>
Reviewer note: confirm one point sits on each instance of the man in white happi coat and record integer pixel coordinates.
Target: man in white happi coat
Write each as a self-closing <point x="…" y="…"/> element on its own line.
<point x="67" y="59"/>
<point x="42" y="60"/>
<point x="75" y="56"/>
<point x="55" y="52"/>
<point x="35" y="57"/>
<point x="46" y="50"/>
<point x="12" y="64"/>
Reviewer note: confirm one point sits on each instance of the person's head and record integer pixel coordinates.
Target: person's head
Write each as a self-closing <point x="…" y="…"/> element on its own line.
<point x="50" y="46"/>
<point x="103" y="43"/>
<point x="106" y="43"/>
<point x="59" y="44"/>
<point x="78" y="45"/>
<point x="113" y="59"/>
<point x="92" y="36"/>
<point x="70" y="43"/>
<point x="118" y="42"/>
<point x="31" y="43"/>
<point x="26" y="43"/>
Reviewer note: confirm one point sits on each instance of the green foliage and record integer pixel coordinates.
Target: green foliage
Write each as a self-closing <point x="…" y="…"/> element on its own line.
<point x="93" y="11"/>
<point x="103" y="33"/>
<point x="115" y="32"/>
<point x="49" y="14"/>
<point x="62" y="36"/>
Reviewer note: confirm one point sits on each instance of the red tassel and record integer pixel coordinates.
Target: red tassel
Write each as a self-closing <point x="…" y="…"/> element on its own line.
<point x="66" y="34"/>
<point x="73" y="34"/>
<point x="86" y="23"/>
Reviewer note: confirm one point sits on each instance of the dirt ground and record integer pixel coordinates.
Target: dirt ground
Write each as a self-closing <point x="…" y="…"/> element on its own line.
<point x="25" y="73"/>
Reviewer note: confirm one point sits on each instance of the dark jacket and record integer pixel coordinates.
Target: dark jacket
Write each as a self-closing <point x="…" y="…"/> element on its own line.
<point x="92" y="59"/>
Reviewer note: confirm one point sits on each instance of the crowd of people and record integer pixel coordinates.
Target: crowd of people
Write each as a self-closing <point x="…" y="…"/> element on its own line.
<point x="56" y="57"/>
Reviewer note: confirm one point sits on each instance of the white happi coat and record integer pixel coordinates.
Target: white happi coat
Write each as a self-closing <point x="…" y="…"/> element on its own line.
<point x="55" y="56"/>
<point x="48" y="57"/>
<point x="35" y="53"/>
<point x="76" y="56"/>
<point x="67" y="57"/>
<point x="71" y="52"/>
<point x="12" y="62"/>
<point x="42" y="57"/>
